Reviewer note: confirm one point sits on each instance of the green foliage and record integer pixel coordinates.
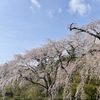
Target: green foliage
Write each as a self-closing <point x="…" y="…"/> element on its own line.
<point x="75" y="80"/>
<point x="27" y="92"/>
<point x="91" y="87"/>
<point x="64" y="58"/>
<point x="68" y="58"/>
<point x="90" y="91"/>
<point x="59" y="95"/>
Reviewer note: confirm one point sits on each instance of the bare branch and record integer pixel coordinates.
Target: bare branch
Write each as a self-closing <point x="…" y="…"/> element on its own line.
<point x="84" y="30"/>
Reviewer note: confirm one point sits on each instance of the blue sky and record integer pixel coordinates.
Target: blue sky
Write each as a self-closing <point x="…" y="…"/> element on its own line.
<point x="25" y="24"/>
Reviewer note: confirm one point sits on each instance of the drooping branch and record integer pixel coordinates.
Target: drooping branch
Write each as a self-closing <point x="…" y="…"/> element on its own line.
<point x="97" y="35"/>
<point x="32" y="81"/>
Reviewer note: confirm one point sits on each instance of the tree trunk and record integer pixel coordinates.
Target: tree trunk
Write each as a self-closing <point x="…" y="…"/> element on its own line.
<point x="50" y="95"/>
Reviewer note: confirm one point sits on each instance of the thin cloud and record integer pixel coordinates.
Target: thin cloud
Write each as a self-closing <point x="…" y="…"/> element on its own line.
<point x="32" y="9"/>
<point x="50" y="13"/>
<point x="34" y="2"/>
<point x="60" y="10"/>
<point x="79" y="6"/>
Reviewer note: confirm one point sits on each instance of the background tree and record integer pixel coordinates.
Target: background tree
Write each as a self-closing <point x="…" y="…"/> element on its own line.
<point x="44" y="64"/>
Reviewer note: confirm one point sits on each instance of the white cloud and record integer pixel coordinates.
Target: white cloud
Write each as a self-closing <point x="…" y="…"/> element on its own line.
<point x="32" y="9"/>
<point x="79" y="6"/>
<point x="50" y="13"/>
<point x="34" y="2"/>
<point x="60" y="10"/>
